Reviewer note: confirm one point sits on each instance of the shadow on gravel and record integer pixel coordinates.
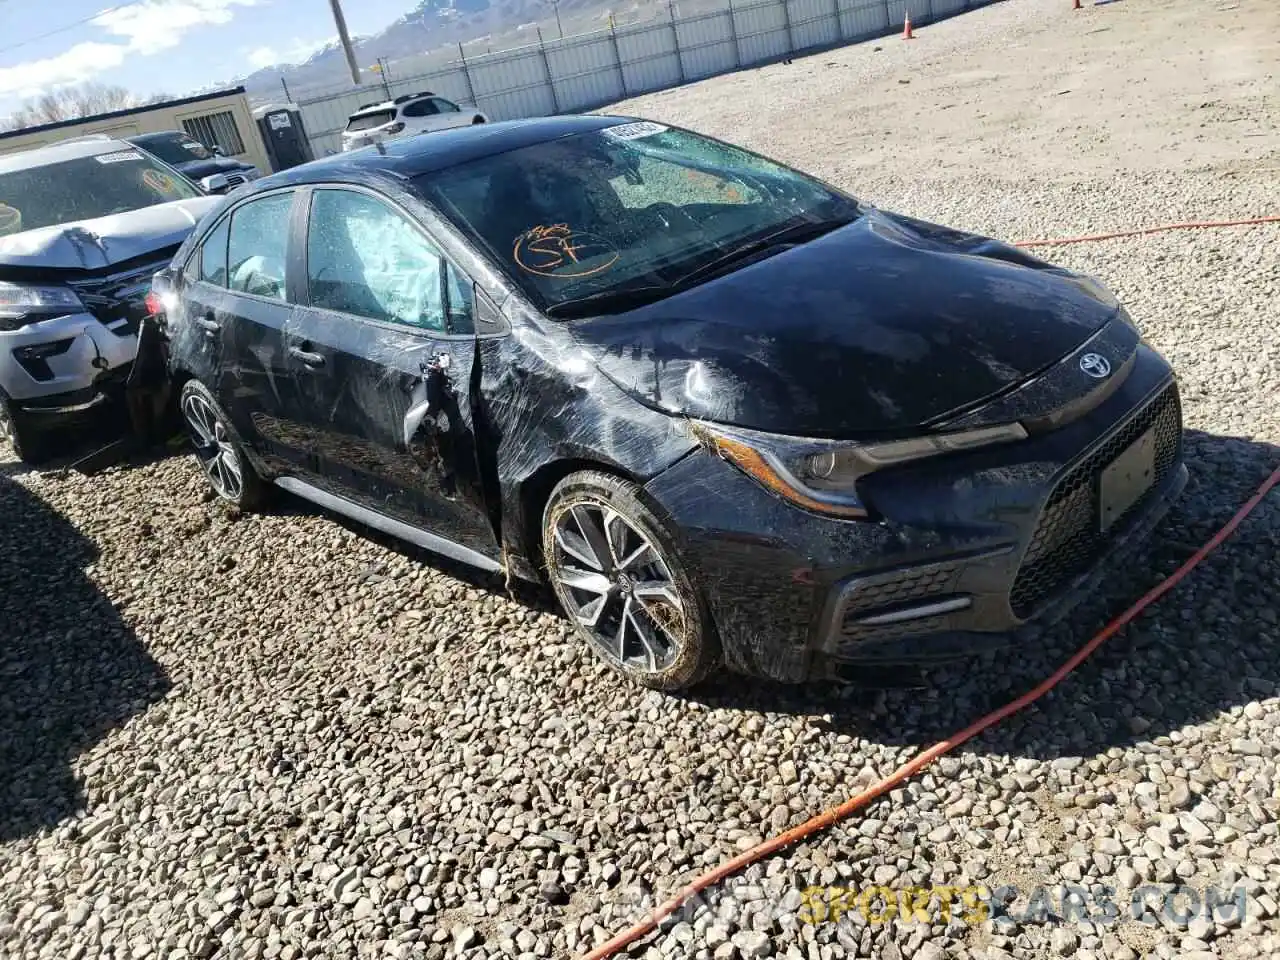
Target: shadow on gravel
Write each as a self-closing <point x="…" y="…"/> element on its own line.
<point x="1211" y="644"/>
<point x="70" y="670"/>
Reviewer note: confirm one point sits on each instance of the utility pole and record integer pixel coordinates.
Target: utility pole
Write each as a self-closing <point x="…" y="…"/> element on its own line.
<point x="344" y="38"/>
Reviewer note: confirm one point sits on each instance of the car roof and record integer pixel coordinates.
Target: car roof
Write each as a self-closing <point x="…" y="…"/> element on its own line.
<point x="383" y="105"/>
<point x="60" y="152"/>
<point x="411" y="157"/>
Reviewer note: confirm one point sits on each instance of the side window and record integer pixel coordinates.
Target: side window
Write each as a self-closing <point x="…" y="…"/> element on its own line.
<point x="460" y="295"/>
<point x="367" y="259"/>
<point x="258" y="246"/>
<point x="419" y="108"/>
<point x="212" y="256"/>
<point x="444" y="106"/>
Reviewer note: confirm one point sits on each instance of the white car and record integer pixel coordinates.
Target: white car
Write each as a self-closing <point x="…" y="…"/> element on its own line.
<point x="83" y="226"/>
<point x="405" y="116"/>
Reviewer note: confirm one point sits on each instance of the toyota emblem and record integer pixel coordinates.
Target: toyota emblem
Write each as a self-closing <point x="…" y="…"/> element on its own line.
<point x="1095" y="365"/>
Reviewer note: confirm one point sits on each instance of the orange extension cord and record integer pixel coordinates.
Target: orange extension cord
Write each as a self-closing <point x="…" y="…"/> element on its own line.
<point x="1202" y="225"/>
<point x="917" y="763"/>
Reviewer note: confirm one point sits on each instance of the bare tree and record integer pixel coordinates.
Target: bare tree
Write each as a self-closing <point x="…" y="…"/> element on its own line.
<point x="72" y="103"/>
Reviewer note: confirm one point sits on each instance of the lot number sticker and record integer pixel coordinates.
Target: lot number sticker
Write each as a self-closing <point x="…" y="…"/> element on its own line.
<point x="634" y="131"/>
<point x="120" y="156"/>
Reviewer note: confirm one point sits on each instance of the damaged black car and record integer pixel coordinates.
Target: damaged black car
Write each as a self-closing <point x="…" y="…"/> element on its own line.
<point x="732" y="414"/>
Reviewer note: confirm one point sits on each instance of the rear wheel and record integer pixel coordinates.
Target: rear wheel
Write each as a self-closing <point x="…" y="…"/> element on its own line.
<point x="218" y="450"/>
<point x="29" y="444"/>
<point x="617" y="576"/>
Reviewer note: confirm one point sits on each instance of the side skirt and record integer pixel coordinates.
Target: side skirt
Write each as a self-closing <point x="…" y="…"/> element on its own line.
<point x="385" y="524"/>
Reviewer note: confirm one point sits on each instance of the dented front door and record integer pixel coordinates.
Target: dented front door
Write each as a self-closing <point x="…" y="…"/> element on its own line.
<point x="384" y="414"/>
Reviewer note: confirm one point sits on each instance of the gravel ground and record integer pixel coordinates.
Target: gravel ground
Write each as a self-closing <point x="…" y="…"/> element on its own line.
<point x="273" y="735"/>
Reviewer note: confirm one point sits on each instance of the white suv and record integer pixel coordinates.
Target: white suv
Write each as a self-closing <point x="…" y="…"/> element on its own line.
<point x="405" y="116"/>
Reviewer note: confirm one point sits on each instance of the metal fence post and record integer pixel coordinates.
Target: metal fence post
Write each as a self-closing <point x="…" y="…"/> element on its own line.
<point x="675" y="37"/>
<point x="617" y="56"/>
<point x="839" y="23"/>
<point x="466" y="75"/>
<point x="546" y="66"/>
<point x="733" y="32"/>
<point x="786" y="15"/>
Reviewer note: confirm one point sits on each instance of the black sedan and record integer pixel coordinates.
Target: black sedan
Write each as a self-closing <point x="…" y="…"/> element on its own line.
<point x="732" y="414"/>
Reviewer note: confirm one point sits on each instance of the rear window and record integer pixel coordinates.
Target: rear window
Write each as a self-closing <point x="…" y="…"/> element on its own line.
<point x="367" y="121"/>
<point x="86" y="188"/>
<point x="177" y="148"/>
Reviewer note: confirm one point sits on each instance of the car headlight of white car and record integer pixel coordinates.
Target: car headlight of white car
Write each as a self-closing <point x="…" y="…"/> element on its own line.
<point x="25" y="303"/>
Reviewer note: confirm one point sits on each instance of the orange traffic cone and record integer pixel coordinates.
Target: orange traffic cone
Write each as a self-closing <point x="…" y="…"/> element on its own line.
<point x="906" y="27"/>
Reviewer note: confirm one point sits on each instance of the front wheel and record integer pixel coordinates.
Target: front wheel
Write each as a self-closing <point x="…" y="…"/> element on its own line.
<point x="218" y="451"/>
<point x="29" y="444"/>
<point x="617" y="576"/>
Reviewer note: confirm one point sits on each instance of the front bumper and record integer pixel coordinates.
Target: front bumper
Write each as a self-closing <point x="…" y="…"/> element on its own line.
<point x="968" y="551"/>
<point x="86" y="350"/>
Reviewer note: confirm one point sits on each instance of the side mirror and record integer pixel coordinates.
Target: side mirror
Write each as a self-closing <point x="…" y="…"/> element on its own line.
<point x="215" y="183"/>
<point x="217" y="151"/>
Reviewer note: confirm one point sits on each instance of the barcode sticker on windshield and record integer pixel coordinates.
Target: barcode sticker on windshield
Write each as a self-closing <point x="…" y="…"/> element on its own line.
<point x="634" y="131"/>
<point x="118" y="157"/>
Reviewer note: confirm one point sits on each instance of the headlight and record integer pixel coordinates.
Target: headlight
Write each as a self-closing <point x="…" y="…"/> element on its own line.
<point x="822" y="475"/>
<point x="22" y="303"/>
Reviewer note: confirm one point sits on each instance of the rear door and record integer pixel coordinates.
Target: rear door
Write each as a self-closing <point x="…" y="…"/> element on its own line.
<point x="256" y="380"/>
<point x="204" y="310"/>
<point x="383" y="358"/>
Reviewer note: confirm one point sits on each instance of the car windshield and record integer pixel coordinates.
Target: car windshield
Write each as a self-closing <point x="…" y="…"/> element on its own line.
<point x="177" y="149"/>
<point x="367" y="121"/>
<point x="638" y="207"/>
<point x="86" y="188"/>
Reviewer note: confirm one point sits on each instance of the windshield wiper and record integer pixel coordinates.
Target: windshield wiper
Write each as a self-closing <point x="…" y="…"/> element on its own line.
<point x="795" y="233"/>
<point x="610" y="301"/>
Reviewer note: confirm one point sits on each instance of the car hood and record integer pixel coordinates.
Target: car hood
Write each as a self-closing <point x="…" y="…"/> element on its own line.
<point x="885" y="324"/>
<point x="93" y="244"/>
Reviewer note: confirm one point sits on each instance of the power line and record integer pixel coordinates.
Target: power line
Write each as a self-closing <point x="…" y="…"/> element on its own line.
<point x="70" y="26"/>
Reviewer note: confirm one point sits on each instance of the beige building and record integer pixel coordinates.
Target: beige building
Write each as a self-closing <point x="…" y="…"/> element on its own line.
<point x="221" y="119"/>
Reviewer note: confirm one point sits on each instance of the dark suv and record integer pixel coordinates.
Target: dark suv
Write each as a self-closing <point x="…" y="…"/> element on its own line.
<point x="728" y="410"/>
<point x="196" y="160"/>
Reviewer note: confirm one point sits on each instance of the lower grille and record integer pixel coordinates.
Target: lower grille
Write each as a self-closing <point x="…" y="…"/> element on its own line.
<point x="1068" y="538"/>
<point x="895" y="588"/>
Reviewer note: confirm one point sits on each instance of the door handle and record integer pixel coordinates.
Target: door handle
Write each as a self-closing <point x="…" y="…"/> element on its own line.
<point x="306" y="357"/>
<point x="208" y="324"/>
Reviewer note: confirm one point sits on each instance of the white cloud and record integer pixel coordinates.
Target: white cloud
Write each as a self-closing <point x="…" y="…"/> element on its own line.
<point x="145" y="28"/>
<point x="73" y="66"/>
<point x="296" y="51"/>
<point x="160" y="24"/>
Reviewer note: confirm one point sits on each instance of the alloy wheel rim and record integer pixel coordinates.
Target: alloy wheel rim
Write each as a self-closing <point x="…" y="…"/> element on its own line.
<point x="6" y="425"/>
<point x="214" y="449"/>
<point x="617" y="586"/>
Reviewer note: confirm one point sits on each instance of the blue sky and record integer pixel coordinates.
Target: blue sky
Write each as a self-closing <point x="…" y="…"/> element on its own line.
<point x="163" y="46"/>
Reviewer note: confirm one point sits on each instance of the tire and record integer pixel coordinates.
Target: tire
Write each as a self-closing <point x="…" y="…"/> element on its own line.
<point x="219" y="451"/>
<point x="30" y="445"/>
<point x="642" y="616"/>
